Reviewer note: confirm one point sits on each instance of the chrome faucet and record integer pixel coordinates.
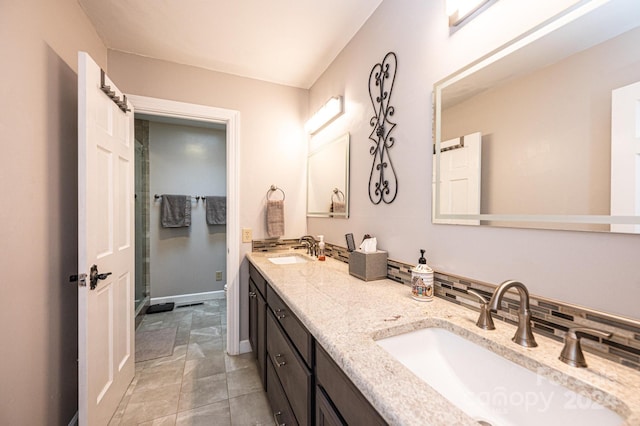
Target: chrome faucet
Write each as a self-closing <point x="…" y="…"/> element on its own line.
<point x="523" y="336"/>
<point x="572" y="351"/>
<point x="310" y="242"/>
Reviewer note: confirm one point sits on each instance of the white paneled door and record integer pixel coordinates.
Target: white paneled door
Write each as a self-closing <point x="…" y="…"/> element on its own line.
<point x="460" y="178"/>
<point x="625" y="155"/>
<point x="105" y="245"/>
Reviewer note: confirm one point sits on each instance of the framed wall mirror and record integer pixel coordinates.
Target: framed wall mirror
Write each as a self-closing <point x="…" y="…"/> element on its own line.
<point x="545" y="131"/>
<point x="328" y="179"/>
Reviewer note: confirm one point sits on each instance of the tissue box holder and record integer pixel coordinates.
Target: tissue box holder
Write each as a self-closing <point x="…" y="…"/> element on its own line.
<point x="368" y="266"/>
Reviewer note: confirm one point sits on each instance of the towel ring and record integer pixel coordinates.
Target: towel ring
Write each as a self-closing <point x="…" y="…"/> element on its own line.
<point x="338" y="193"/>
<point x="274" y="188"/>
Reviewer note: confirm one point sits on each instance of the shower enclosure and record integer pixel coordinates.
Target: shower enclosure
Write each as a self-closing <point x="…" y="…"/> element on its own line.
<point x="142" y="291"/>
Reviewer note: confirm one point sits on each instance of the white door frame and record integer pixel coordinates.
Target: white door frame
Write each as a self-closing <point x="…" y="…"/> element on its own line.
<point x="231" y="118"/>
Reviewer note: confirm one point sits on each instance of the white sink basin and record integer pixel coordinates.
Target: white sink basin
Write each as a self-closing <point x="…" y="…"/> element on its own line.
<point x="488" y="387"/>
<point x="287" y="260"/>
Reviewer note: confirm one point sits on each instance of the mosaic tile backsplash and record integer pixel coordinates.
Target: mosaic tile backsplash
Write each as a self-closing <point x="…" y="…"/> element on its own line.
<point x="550" y="318"/>
<point x="275" y="244"/>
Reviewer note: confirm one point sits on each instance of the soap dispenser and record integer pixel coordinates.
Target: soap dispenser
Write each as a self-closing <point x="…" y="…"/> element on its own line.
<point x="422" y="280"/>
<point x="321" y="255"/>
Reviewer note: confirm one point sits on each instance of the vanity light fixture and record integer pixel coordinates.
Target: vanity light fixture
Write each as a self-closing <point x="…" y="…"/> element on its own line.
<point x="329" y="112"/>
<point x="462" y="11"/>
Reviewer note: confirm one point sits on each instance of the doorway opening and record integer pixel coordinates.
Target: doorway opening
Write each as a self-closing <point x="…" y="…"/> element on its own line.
<point x="171" y="110"/>
<point x="180" y="263"/>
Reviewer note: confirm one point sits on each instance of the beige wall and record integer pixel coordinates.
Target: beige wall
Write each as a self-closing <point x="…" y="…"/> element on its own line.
<point x="272" y="142"/>
<point x="185" y="260"/>
<point x="39" y="41"/>
<point x="589" y="269"/>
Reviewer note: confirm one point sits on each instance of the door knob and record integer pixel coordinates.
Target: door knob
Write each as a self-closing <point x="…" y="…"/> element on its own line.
<point x="94" y="276"/>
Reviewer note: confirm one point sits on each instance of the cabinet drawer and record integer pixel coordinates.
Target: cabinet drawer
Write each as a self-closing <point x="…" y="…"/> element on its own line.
<point x="346" y="398"/>
<point x="294" y="376"/>
<point x="258" y="279"/>
<point x="282" y="412"/>
<point x="301" y="338"/>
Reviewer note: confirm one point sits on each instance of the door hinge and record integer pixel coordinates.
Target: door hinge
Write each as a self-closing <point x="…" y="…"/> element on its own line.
<point x="81" y="279"/>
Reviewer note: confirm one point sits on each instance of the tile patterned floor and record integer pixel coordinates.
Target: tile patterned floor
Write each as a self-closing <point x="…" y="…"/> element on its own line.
<point x="199" y="384"/>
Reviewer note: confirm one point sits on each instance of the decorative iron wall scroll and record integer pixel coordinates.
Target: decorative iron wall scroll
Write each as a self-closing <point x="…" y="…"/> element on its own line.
<point x="383" y="182"/>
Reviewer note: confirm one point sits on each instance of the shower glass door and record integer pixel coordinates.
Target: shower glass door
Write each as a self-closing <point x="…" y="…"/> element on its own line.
<point x="140" y="292"/>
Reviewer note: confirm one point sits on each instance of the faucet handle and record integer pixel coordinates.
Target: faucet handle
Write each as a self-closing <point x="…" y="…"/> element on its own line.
<point x="573" y="332"/>
<point x="483" y="300"/>
<point x="572" y="351"/>
<point x="307" y="244"/>
<point x="485" y="321"/>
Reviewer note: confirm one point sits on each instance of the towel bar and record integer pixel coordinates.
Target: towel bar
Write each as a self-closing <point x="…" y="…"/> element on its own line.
<point x="197" y="197"/>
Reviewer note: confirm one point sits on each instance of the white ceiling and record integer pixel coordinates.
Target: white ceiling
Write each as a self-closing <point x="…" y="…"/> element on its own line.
<point x="289" y="42"/>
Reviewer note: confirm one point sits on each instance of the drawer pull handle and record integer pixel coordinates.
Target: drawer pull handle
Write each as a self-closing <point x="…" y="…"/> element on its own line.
<point x="278" y="363"/>
<point x="252" y="294"/>
<point x="275" y="417"/>
<point x="280" y="313"/>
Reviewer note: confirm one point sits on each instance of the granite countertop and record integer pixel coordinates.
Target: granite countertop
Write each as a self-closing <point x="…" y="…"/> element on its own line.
<point x="346" y="316"/>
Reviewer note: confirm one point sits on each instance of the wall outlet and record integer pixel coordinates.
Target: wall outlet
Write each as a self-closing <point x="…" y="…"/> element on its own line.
<point x="218" y="275"/>
<point x="247" y="235"/>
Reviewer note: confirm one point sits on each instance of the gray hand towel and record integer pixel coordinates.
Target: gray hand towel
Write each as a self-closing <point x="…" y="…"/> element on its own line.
<point x="216" y="208"/>
<point x="175" y="211"/>
<point x="275" y="218"/>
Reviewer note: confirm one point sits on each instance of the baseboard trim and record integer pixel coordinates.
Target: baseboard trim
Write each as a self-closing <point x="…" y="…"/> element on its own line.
<point x="189" y="298"/>
<point x="245" y="346"/>
<point x="74" y="420"/>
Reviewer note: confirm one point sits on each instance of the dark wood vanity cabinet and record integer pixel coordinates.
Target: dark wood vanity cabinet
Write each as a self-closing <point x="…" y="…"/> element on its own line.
<point x="338" y="400"/>
<point x="282" y="411"/>
<point x="299" y="336"/>
<point x="304" y="385"/>
<point x="326" y="414"/>
<point x="290" y="371"/>
<point x="257" y="321"/>
<point x="290" y="356"/>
